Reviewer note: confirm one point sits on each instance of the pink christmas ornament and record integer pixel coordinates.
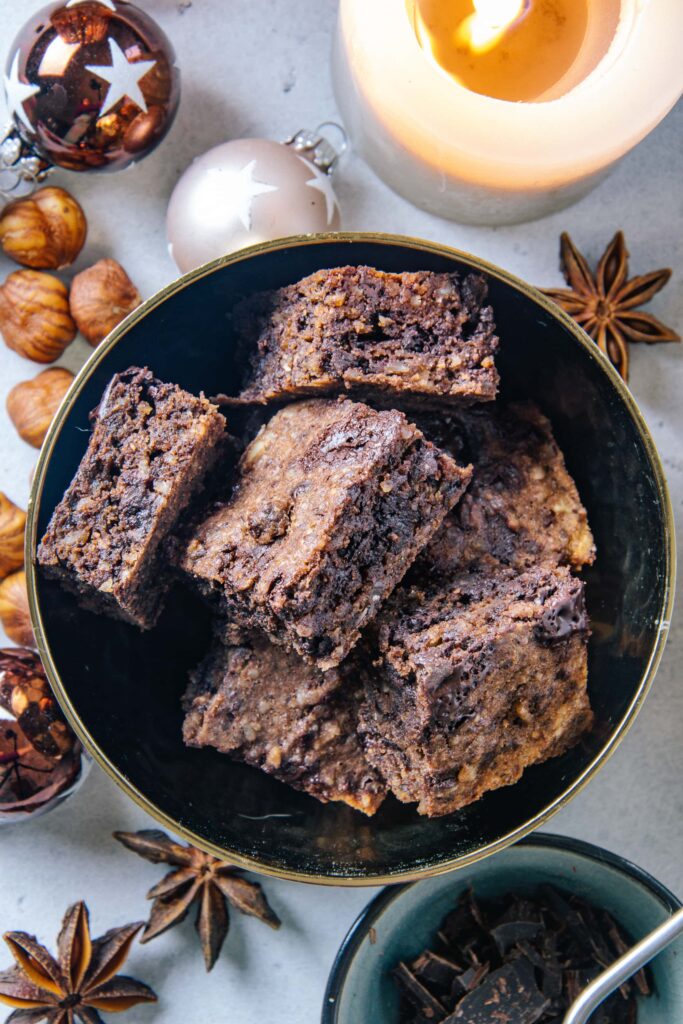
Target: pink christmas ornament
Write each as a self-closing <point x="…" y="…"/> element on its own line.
<point x="248" y="191"/>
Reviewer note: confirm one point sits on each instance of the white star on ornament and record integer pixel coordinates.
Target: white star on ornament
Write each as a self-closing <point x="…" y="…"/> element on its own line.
<point x="323" y="183"/>
<point x="124" y="78"/>
<point x="18" y="92"/>
<point x="234" y="191"/>
<point x="103" y="3"/>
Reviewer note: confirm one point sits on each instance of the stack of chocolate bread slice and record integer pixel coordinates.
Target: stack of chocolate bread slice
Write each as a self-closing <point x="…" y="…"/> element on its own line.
<point x="390" y="566"/>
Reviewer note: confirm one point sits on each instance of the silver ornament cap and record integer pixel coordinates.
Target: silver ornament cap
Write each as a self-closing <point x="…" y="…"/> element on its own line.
<point x="21" y="169"/>
<point x="248" y="191"/>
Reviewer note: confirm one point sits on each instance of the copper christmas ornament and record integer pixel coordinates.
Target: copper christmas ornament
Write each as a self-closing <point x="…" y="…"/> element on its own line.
<point x="90" y="85"/>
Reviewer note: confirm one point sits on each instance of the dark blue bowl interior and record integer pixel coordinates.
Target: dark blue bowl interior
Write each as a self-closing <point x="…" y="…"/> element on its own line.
<point x="125" y="686"/>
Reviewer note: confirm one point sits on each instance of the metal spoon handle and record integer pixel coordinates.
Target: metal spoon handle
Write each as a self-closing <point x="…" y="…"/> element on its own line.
<point x="623" y="968"/>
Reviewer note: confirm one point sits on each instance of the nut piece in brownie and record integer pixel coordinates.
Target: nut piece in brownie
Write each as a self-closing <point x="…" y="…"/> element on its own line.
<point x="151" y="447"/>
<point x="425" y="336"/>
<point x="269" y="708"/>
<point x="332" y="504"/>
<point x="522" y="507"/>
<point x="476" y="679"/>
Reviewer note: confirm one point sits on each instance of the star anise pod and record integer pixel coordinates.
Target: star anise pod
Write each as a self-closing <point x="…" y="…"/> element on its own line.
<point x="197" y="878"/>
<point x="605" y="303"/>
<point x="25" y="693"/>
<point x="82" y="980"/>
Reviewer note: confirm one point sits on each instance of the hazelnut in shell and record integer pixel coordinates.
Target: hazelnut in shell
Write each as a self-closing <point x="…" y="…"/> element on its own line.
<point x="100" y="298"/>
<point x="14" y="613"/>
<point x="31" y="404"/>
<point x="45" y="231"/>
<point x="34" y="315"/>
<point x="12" y="526"/>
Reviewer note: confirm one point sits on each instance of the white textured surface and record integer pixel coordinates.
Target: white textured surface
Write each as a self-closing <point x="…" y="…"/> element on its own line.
<point x="260" y="68"/>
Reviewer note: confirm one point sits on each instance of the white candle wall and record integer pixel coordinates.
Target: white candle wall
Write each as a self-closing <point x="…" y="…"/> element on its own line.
<point x="478" y="160"/>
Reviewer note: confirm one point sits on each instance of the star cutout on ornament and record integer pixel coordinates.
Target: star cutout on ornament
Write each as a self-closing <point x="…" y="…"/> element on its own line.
<point x="18" y="92"/>
<point x="103" y="3"/>
<point x="124" y="78"/>
<point x="236" y="189"/>
<point x="322" y="182"/>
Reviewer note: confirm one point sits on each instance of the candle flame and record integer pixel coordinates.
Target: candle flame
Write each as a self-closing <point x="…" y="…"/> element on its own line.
<point x="482" y="30"/>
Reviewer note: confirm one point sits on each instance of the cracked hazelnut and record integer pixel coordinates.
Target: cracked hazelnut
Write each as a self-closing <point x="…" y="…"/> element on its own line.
<point x="14" y="613"/>
<point x="12" y="525"/>
<point x="32" y="404"/>
<point x="34" y="315"/>
<point x="45" y="231"/>
<point x="101" y="297"/>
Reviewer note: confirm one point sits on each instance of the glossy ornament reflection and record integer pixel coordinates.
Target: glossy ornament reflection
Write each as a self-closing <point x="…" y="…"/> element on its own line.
<point x="41" y="761"/>
<point x="30" y="783"/>
<point x="91" y="85"/>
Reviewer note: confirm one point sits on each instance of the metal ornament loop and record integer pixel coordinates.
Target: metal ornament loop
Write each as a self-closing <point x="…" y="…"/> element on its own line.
<point x="21" y="168"/>
<point x="316" y="148"/>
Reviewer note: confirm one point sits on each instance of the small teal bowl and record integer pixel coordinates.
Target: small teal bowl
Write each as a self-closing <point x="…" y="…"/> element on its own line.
<point x="403" y="919"/>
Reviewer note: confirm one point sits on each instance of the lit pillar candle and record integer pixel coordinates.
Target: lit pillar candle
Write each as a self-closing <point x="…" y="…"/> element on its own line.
<point x="496" y="111"/>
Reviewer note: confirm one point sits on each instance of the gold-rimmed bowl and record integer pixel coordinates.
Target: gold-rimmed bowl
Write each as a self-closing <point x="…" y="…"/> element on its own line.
<point x="121" y="688"/>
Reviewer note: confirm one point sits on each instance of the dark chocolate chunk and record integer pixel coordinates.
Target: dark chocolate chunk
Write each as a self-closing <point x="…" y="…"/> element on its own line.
<point x="563" y="617"/>
<point x="468" y="980"/>
<point x="428" y="1005"/>
<point x="527" y="956"/>
<point x="436" y="971"/>
<point x="544" y="958"/>
<point x="510" y="933"/>
<point x="509" y="995"/>
<point x="465" y="924"/>
<point x="620" y="946"/>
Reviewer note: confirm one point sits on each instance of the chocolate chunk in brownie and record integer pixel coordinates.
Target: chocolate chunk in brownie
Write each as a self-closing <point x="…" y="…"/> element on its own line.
<point x="151" y="446"/>
<point x="267" y="707"/>
<point x="425" y="336"/>
<point x="332" y="504"/>
<point x="475" y="680"/>
<point x="522" y="507"/>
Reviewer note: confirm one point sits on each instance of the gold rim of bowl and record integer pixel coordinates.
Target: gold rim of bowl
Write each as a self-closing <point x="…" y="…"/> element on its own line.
<point x="591" y="350"/>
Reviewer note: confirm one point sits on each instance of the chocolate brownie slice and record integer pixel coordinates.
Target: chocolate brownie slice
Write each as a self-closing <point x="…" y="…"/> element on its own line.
<point x="151" y="446"/>
<point x="421" y="335"/>
<point x="267" y="707"/>
<point x="333" y="502"/>
<point x="475" y="680"/>
<point x="522" y="507"/>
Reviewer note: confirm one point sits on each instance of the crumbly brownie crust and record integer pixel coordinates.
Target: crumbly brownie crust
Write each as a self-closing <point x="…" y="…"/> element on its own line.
<point x="522" y="507"/>
<point x="267" y="707"/>
<point x="151" y="447"/>
<point x="421" y="335"/>
<point x="475" y="680"/>
<point x="333" y="503"/>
